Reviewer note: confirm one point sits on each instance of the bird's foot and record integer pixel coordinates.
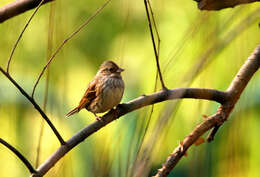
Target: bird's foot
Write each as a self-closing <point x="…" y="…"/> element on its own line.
<point x="98" y="118"/>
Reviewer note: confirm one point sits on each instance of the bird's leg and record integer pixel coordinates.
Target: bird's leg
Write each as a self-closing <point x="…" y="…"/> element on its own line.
<point x="97" y="117"/>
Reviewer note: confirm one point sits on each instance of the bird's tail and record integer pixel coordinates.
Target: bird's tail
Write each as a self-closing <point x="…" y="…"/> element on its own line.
<point x="73" y="111"/>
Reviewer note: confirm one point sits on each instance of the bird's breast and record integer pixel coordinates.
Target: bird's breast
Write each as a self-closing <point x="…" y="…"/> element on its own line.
<point x="111" y="94"/>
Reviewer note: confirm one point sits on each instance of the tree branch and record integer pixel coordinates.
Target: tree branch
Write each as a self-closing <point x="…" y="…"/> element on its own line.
<point x="36" y="106"/>
<point x="197" y="93"/>
<point x="19" y="155"/>
<point x="215" y="121"/>
<point x="18" y="7"/>
<point x="220" y="4"/>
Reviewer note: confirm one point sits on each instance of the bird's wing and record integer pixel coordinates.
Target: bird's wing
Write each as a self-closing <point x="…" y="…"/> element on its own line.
<point x="89" y="95"/>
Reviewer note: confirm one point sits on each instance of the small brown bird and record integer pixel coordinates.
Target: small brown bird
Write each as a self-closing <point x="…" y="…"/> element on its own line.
<point x="104" y="92"/>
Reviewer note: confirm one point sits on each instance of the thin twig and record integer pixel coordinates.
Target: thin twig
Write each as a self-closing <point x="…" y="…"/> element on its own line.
<point x="36" y="106"/>
<point x="154" y="46"/>
<point x="212" y="133"/>
<point x="20" y="36"/>
<point x="66" y="40"/>
<point x="156" y="29"/>
<point x="19" y="155"/>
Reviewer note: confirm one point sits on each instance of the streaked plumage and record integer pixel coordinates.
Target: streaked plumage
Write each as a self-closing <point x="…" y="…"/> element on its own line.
<point x="104" y="92"/>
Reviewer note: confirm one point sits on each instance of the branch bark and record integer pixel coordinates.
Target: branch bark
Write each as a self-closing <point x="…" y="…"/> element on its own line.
<point x="215" y="121"/>
<point x="18" y="7"/>
<point x="36" y="106"/>
<point x="19" y="155"/>
<point x="145" y="100"/>
<point x="220" y="4"/>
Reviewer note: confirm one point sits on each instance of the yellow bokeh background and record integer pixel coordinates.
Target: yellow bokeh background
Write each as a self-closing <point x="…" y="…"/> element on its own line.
<point x="120" y="33"/>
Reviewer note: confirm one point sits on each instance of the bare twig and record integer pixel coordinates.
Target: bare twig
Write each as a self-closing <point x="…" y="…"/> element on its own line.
<point x="154" y="46"/>
<point x="36" y="106"/>
<point x="20" y="36"/>
<point x="156" y="29"/>
<point x="18" y="7"/>
<point x="19" y="155"/>
<point x="215" y="121"/>
<point x="66" y="40"/>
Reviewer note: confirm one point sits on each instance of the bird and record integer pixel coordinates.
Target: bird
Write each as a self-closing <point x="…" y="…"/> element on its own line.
<point x="104" y="92"/>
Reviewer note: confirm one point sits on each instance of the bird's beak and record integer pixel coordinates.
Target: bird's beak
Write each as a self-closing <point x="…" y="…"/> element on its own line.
<point x="119" y="70"/>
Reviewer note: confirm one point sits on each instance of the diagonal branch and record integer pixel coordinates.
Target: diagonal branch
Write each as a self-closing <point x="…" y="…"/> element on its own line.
<point x="18" y="7"/>
<point x="163" y="95"/>
<point x="21" y="34"/>
<point x="66" y="40"/>
<point x="19" y="155"/>
<point x="215" y="121"/>
<point x="154" y="46"/>
<point x="36" y="106"/>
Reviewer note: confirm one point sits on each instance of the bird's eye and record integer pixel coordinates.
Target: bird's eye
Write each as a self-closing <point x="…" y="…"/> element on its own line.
<point x="111" y="69"/>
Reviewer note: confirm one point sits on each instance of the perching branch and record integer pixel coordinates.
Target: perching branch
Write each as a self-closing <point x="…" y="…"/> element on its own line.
<point x="19" y="155"/>
<point x="196" y="93"/>
<point x="36" y="106"/>
<point x="66" y="40"/>
<point x="154" y="46"/>
<point x="215" y="121"/>
<point x="21" y="34"/>
<point x="18" y="7"/>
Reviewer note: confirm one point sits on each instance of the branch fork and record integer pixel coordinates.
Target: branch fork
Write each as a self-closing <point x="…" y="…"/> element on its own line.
<point x="216" y="120"/>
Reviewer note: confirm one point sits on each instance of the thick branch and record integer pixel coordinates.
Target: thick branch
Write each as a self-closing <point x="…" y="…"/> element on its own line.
<point x="123" y="109"/>
<point x="215" y="121"/>
<point x="19" y="155"/>
<point x="220" y="4"/>
<point x="36" y="106"/>
<point x="17" y="7"/>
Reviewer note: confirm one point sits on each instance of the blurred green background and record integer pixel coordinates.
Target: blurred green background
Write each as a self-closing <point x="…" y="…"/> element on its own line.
<point x="198" y="49"/>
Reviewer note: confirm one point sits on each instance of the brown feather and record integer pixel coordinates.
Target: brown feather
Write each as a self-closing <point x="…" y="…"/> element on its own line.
<point x="88" y="96"/>
<point x="73" y="111"/>
<point x="104" y="92"/>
